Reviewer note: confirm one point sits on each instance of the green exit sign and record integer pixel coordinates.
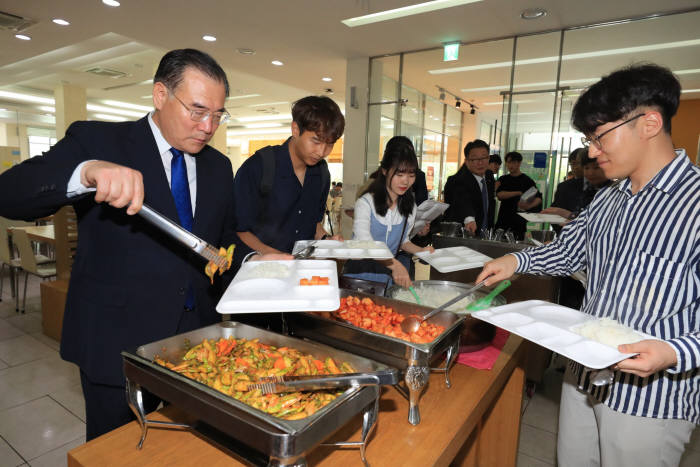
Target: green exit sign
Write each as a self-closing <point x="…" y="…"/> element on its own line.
<point x="450" y="52"/>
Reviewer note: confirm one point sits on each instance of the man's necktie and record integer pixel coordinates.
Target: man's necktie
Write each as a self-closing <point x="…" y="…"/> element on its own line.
<point x="485" y="203"/>
<point x="180" y="187"/>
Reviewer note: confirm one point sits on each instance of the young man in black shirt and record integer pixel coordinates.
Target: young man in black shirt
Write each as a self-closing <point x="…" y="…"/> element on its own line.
<point x="511" y="188"/>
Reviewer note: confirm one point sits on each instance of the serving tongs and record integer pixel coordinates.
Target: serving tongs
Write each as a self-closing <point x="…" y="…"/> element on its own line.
<point x="191" y="241"/>
<point x="277" y="384"/>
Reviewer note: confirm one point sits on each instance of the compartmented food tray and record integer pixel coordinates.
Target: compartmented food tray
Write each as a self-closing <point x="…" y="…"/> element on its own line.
<point x="265" y="433"/>
<point x="274" y="286"/>
<point x="554" y="327"/>
<point x="536" y="217"/>
<point x="455" y="258"/>
<point x="348" y="249"/>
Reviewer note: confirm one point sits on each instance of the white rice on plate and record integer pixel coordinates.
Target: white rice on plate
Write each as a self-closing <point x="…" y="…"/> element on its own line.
<point x="268" y="270"/>
<point x="609" y="332"/>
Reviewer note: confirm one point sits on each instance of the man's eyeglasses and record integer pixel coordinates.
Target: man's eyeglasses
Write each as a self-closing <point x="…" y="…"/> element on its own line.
<point x="202" y="115"/>
<point x="595" y="140"/>
<point x="478" y="159"/>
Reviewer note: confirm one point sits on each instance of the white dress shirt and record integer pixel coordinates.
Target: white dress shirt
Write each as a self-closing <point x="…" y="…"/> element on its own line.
<point x="479" y="180"/>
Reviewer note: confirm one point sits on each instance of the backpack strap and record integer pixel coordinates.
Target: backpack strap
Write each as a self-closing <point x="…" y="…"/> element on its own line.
<point x="267" y="180"/>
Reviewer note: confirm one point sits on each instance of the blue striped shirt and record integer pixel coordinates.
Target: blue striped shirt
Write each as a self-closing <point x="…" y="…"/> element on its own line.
<point x="642" y="253"/>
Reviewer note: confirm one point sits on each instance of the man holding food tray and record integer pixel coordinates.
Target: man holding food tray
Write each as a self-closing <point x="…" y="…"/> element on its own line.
<point x="285" y="187"/>
<point x="130" y="284"/>
<point x="639" y="240"/>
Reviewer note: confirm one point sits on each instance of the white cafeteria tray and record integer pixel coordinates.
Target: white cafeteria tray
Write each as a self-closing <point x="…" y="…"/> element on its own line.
<point x="553" y="326"/>
<point x="348" y="249"/>
<point x="550" y="218"/>
<point x="249" y="293"/>
<point x="454" y="258"/>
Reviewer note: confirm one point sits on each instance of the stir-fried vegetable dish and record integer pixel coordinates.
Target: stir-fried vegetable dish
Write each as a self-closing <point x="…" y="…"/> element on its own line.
<point x="230" y="365"/>
<point x="211" y="267"/>
<point x="364" y="313"/>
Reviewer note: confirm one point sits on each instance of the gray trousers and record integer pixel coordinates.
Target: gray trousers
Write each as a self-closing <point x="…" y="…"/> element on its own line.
<point x="591" y="434"/>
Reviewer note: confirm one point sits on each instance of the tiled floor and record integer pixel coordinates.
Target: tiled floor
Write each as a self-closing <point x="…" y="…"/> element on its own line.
<point x="42" y="414"/>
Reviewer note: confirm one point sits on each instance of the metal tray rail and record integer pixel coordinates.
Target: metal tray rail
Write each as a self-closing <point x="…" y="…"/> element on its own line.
<point x="414" y="360"/>
<point x="285" y="441"/>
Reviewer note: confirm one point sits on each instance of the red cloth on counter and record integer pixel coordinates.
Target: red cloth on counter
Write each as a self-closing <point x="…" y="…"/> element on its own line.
<point x="485" y="358"/>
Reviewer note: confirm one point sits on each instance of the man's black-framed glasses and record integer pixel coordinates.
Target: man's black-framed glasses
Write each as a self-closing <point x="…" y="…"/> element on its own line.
<point x="202" y="115"/>
<point x="595" y="140"/>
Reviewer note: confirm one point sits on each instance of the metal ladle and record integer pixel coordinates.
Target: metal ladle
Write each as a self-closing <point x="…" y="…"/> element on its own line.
<point x="412" y="323"/>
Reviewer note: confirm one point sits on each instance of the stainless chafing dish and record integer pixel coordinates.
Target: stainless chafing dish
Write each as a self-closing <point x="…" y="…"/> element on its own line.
<point x="256" y="434"/>
<point x="414" y="360"/>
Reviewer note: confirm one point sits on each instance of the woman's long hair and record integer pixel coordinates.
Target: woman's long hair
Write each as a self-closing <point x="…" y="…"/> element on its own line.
<point x="399" y="157"/>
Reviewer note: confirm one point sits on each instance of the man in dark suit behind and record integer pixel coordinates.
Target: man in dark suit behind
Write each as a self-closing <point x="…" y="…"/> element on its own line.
<point x="470" y="192"/>
<point x="130" y="284"/>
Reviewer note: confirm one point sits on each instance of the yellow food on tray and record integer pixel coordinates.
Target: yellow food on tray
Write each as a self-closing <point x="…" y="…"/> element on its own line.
<point x="211" y="267"/>
<point x="230" y="365"/>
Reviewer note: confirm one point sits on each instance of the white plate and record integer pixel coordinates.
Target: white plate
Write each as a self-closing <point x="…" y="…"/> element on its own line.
<point x="550" y="218"/>
<point x="248" y="293"/>
<point x="553" y="326"/>
<point x="454" y="258"/>
<point x="348" y="249"/>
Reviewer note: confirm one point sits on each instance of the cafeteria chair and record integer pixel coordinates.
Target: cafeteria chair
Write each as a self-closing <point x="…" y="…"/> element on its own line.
<point x="29" y="264"/>
<point x="7" y="258"/>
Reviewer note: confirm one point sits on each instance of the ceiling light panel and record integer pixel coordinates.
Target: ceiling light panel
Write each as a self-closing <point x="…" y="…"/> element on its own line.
<point x="402" y="12"/>
<point x="576" y="56"/>
<point x="112" y="3"/>
<point x="264" y="125"/>
<point x="112" y="110"/>
<point x="111" y="118"/>
<point x="20" y="97"/>
<point x="243" y="96"/>
<point x="265" y="118"/>
<point x="61" y="22"/>
<point x="127" y="105"/>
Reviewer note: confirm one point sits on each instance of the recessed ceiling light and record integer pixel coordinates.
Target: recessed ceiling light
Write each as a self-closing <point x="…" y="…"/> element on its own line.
<point x="111" y="2"/>
<point x="209" y="38"/>
<point x="533" y="13"/>
<point x="327" y="79"/>
<point x="277" y="63"/>
<point x="404" y="11"/>
<point x="61" y="22"/>
<point x="47" y="108"/>
<point x="244" y="51"/>
<point x="23" y="37"/>
<point x="147" y="97"/>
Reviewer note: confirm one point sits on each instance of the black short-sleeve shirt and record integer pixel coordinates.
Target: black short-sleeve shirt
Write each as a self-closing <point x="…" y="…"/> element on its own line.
<point x="290" y="211"/>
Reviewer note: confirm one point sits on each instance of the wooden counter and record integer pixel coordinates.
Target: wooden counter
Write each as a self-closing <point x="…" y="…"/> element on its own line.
<point x="476" y="422"/>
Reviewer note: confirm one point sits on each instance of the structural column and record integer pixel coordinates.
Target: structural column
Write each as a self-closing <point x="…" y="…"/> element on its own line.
<point x="71" y="106"/>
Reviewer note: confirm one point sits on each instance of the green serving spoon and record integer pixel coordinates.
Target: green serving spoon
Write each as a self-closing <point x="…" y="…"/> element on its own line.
<point x="485" y="302"/>
<point x="415" y="295"/>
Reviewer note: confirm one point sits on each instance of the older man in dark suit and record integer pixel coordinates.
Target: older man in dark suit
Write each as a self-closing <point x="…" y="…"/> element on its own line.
<point x="469" y="192"/>
<point x="129" y="283"/>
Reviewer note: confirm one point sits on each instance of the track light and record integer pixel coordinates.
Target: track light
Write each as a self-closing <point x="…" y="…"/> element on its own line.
<point x="442" y="94"/>
<point x="472" y="111"/>
<point x="458" y="104"/>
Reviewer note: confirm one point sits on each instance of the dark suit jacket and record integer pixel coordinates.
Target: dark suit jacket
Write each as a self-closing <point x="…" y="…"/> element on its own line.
<point x="128" y="281"/>
<point x="463" y="194"/>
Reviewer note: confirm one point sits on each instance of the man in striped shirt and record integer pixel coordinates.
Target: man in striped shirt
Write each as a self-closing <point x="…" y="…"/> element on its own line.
<point x="639" y="240"/>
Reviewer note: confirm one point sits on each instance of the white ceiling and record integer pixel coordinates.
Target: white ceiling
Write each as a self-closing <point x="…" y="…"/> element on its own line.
<point x="306" y="35"/>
